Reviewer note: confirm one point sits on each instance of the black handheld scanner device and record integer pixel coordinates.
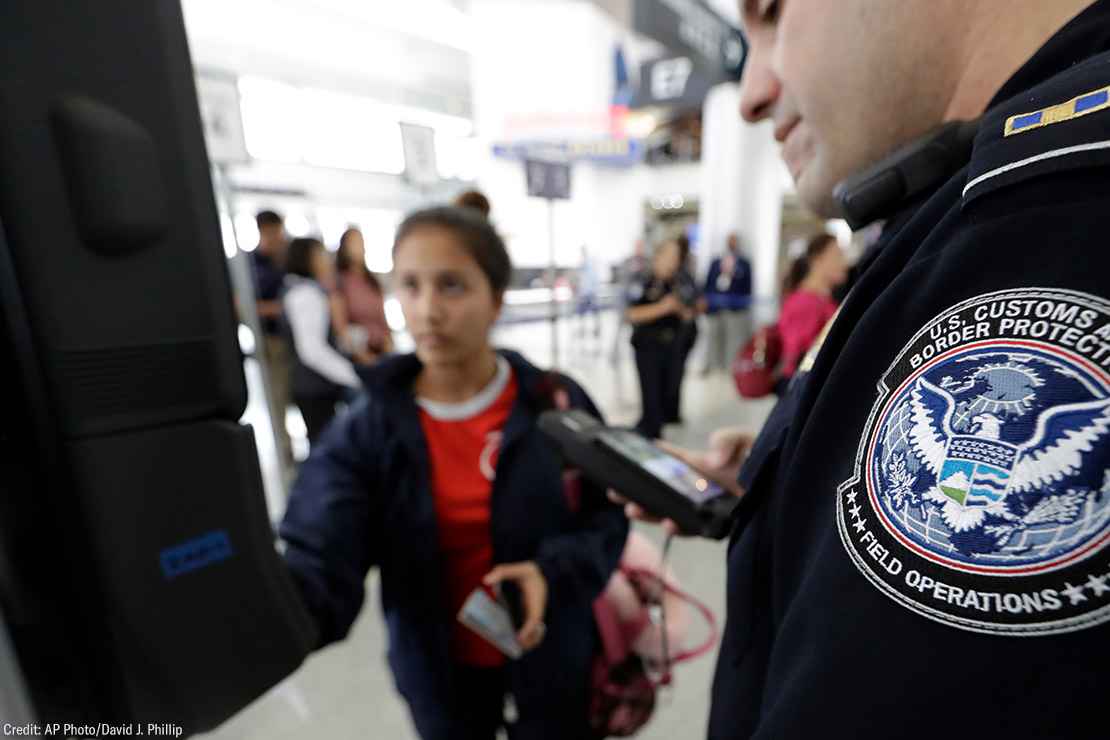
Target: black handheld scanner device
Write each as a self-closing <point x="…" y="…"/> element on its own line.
<point x="630" y="464"/>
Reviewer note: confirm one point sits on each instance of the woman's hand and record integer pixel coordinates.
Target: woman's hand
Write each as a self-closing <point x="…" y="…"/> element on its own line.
<point x="533" y="591"/>
<point x="728" y="447"/>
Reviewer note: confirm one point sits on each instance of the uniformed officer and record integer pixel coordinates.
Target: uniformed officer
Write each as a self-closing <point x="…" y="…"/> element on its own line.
<point x="687" y="289"/>
<point x="657" y="313"/>
<point x="921" y="548"/>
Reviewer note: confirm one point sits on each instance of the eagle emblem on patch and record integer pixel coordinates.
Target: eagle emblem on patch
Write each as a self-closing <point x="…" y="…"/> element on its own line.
<point x="981" y="492"/>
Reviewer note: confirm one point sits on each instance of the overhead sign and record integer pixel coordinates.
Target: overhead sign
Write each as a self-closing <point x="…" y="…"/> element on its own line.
<point x="419" y="144"/>
<point x="671" y="81"/>
<point x="606" y="151"/>
<point x="222" y="119"/>
<point x="692" y="29"/>
<point x="549" y="180"/>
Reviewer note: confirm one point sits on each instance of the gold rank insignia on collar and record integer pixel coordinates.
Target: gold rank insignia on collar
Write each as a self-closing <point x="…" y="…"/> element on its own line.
<point x="1080" y="105"/>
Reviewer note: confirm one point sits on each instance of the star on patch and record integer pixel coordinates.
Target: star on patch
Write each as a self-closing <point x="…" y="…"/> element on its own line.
<point x="1098" y="584"/>
<point x="860" y="524"/>
<point x="1075" y="593"/>
<point x="855" y="511"/>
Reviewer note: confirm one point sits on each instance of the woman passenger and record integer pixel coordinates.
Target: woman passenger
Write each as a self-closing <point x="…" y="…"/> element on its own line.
<point x="441" y="479"/>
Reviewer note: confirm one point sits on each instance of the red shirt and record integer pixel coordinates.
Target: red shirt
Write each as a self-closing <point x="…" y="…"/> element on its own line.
<point x="464" y="441"/>
<point x="804" y="315"/>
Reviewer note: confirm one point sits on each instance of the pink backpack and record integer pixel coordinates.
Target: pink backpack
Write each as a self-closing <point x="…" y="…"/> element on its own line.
<point x="622" y="690"/>
<point x="622" y="693"/>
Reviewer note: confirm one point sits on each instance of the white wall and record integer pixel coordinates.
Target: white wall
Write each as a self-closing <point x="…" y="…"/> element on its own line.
<point x="545" y="71"/>
<point x="605" y="212"/>
<point x="533" y="70"/>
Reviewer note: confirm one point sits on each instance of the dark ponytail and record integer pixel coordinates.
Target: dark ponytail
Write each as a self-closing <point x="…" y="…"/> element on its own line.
<point x="799" y="268"/>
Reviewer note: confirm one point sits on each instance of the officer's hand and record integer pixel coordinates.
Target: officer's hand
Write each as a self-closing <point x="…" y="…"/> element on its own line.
<point x="672" y="304"/>
<point x="728" y="448"/>
<point x="721" y="463"/>
<point x="533" y="592"/>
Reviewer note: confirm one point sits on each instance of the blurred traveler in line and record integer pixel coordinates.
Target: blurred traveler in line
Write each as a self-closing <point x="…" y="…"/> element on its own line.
<point x="322" y="376"/>
<point x="628" y="273"/>
<point x="359" y="311"/>
<point x="728" y="292"/>
<point x="809" y="305"/>
<point x="268" y="271"/>
<point x="588" y="284"/>
<point x="441" y="478"/>
<point x="694" y="304"/>
<point x="657" y="313"/>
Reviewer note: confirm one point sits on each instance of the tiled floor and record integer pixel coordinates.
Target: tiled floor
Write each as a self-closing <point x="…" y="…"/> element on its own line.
<point x="346" y="691"/>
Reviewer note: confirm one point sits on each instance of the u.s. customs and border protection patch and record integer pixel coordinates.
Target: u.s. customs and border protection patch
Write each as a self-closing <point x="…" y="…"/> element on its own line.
<point x="981" y="493"/>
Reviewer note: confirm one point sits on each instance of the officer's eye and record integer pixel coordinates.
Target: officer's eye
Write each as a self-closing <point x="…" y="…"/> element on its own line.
<point x="409" y="284"/>
<point x="769" y="11"/>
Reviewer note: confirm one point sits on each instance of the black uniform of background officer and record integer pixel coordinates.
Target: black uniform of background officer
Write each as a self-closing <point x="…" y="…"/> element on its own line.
<point x="688" y="291"/>
<point x="657" y="313"/>
<point x="921" y="550"/>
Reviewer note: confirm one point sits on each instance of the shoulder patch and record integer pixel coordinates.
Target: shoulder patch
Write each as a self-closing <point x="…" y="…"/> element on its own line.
<point x="981" y="492"/>
<point x="1019" y="138"/>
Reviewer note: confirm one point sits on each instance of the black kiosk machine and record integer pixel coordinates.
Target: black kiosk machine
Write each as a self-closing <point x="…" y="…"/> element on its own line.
<point x="139" y="581"/>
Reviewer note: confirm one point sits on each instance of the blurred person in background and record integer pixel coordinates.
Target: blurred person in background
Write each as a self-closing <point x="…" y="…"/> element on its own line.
<point x="359" y="308"/>
<point x="268" y="273"/>
<point x="322" y="375"/>
<point x="728" y="292"/>
<point x="441" y="479"/>
<point x="628" y="273"/>
<point x="686" y="286"/>
<point x="587" y="286"/>
<point x="475" y="200"/>
<point x="657" y="314"/>
<point x="809" y="305"/>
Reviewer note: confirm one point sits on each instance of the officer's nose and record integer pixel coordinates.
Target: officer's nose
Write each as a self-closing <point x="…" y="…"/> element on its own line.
<point x="760" y="87"/>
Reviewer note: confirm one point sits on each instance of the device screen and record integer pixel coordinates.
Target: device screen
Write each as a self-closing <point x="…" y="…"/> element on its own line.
<point x="667" y="468"/>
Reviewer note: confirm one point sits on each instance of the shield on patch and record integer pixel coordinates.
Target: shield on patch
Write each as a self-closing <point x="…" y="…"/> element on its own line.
<point x="976" y="470"/>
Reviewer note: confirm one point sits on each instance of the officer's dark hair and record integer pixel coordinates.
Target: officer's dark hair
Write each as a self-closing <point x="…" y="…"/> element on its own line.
<point x="473" y="199"/>
<point x="268" y="218"/>
<point x="799" y="268"/>
<point x="298" y="260"/>
<point x="474" y="233"/>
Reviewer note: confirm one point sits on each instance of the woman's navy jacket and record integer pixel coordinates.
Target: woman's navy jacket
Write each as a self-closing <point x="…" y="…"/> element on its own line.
<point x="363" y="500"/>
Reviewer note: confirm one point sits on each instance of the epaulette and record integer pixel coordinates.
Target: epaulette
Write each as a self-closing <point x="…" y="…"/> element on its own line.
<point x="1061" y="124"/>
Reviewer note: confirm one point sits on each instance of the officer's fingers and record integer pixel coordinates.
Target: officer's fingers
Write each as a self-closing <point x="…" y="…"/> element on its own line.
<point x="616" y="498"/>
<point x="689" y="457"/>
<point x="732" y="442"/>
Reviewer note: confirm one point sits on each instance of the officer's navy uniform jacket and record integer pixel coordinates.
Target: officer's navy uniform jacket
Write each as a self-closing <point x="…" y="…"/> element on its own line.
<point x="363" y="500"/>
<point x="923" y="549"/>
